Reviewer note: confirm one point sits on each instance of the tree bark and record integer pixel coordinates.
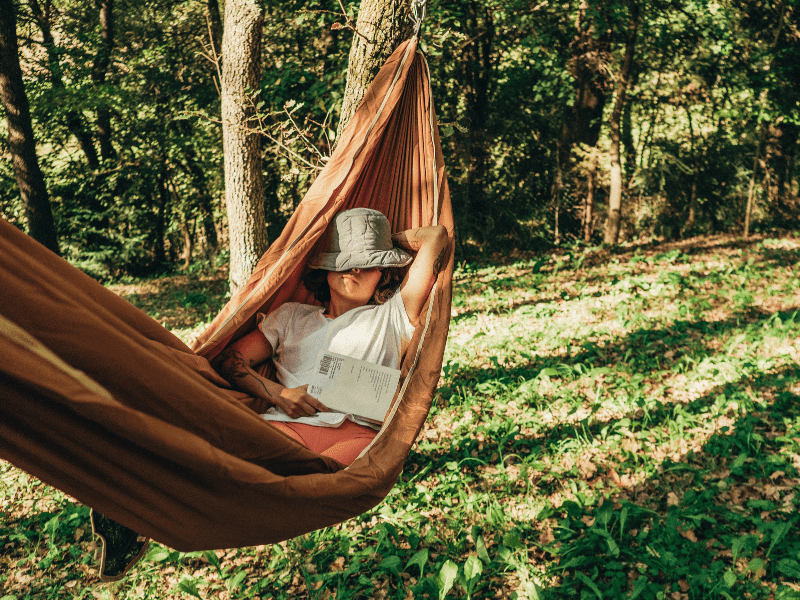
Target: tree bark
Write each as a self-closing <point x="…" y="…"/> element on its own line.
<point x="21" y="142"/>
<point x="102" y="62"/>
<point x="381" y="27"/>
<point x="244" y="181"/>
<point x="615" y="193"/>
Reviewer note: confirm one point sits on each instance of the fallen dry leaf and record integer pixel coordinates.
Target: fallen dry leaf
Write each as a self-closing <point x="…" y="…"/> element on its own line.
<point x="689" y="535"/>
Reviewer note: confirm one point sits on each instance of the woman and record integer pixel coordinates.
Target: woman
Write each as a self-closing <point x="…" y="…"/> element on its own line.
<point x="363" y="315"/>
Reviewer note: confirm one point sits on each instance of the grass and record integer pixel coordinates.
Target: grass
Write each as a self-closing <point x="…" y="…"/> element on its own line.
<point x="617" y="424"/>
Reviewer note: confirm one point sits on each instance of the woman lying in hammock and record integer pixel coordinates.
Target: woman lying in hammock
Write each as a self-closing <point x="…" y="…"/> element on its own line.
<point x="356" y="278"/>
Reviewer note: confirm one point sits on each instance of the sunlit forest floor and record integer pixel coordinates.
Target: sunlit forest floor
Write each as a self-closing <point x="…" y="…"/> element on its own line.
<point x="610" y="424"/>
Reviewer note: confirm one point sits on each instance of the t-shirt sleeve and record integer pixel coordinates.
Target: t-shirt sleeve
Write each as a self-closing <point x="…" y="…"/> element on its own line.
<point x="273" y="326"/>
<point x="400" y="316"/>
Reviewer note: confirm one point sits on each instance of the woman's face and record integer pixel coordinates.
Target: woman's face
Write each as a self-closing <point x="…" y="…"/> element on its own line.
<point x="354" y="286"/>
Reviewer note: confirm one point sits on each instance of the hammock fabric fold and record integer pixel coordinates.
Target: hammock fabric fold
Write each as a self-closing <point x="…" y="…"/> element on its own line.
<point x="100" y="401"/>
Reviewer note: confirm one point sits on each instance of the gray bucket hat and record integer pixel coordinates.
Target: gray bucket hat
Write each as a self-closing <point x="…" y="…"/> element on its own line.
<point x="359" y="238"/>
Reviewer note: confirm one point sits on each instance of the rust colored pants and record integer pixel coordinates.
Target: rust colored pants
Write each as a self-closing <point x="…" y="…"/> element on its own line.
<point x="343" y="443"/>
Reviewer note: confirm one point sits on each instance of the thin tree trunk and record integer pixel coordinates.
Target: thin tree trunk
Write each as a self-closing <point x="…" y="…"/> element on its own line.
<point x="21" y="142"/>
<point x="244" y="181"/>
<point x="100" y="68"/>
<point x="588" y="213"/>
<point x="751" y="191"/>
<point x="615" y="193"/>
<point x="74" y="120"/>
<point x="215" y="25"/>
<point x="381" y="27"/>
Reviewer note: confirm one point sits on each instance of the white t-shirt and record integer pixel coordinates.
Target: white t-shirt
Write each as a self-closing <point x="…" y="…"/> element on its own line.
<point x="297" y="332"/>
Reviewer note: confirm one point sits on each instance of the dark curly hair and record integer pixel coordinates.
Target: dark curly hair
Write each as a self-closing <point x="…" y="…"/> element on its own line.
<point x="316" y="282"/>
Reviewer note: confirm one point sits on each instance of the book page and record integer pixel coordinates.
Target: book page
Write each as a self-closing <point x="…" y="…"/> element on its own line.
<point x="353" y="386"/>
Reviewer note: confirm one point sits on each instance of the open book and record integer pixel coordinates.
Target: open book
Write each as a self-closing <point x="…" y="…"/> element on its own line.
<point x="353" y="386"/>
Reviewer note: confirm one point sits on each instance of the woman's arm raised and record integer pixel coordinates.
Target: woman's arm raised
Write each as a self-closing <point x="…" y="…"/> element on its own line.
<point x="431" y="246"/>
<point x="236" y="365"/>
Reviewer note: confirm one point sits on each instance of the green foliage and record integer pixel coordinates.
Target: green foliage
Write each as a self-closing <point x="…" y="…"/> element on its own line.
<point x="712" y="86"/>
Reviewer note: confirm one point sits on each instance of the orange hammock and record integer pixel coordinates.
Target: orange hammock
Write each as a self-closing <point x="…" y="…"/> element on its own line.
<point x="100" y="401"/>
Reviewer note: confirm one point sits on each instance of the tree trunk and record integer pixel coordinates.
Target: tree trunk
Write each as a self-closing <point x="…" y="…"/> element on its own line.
<point x="381" y="27"/>
<point x="583" y="119"/>
<point x="21" y="142"/>
<point x="476" y="81"/>
<point x="74" y="120"/>
<point x="615" y="193"/>
<point x="100" y="68"/>
<point x="751" y="190"/>
<point x="784" y="207"/>
<point x="214" y="25"/>
<point x="588" y="213"/>
<point x="244" y="181"/>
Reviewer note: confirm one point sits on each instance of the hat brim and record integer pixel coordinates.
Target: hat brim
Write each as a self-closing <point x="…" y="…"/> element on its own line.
<point x="364" y="259"/>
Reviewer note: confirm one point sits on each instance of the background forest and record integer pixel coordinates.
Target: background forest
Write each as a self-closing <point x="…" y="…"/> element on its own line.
<point x="686" y="111"/>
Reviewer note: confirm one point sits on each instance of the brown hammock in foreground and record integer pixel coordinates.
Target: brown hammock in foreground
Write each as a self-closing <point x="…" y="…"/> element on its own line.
<point x="100" y="401"/>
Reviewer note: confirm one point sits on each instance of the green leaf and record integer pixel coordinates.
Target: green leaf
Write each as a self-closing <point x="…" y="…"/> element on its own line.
<point x="604" y="513"/>
<point x="447" y="577"/>
<point x="641" y="585"/>
<point x="512" y="541"/>
<point x="211" y="557"/>
<point x="755" y="564"/>
<point x="590" y="584"/>
<point x="789" y="567"/>
<point x="419" y="559"/>
<point x="778" y="531"/>
<point x="472" y="568"/>
<point x="391" y="563"/>
<point x="188" y="585"/>
<point x="729" y="578"/>
<point x="480" y="546"/>
<point x="235" y="581"/>
<point x="159" y="554"/>
<point x="738" y="545"/>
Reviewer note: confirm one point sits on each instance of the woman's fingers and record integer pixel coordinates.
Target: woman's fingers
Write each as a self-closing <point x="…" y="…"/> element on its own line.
<point x="298" y="403"/>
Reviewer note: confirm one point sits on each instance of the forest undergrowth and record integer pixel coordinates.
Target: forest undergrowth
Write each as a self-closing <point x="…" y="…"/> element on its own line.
<point x="609" y="424"/>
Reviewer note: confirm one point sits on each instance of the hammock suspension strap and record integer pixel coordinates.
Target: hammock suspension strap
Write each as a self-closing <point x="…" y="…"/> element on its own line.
<point x="419" y="10"/>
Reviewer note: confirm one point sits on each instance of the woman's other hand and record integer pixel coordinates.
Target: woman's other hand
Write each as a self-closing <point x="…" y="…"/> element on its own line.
<point x="296" y="402"/>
